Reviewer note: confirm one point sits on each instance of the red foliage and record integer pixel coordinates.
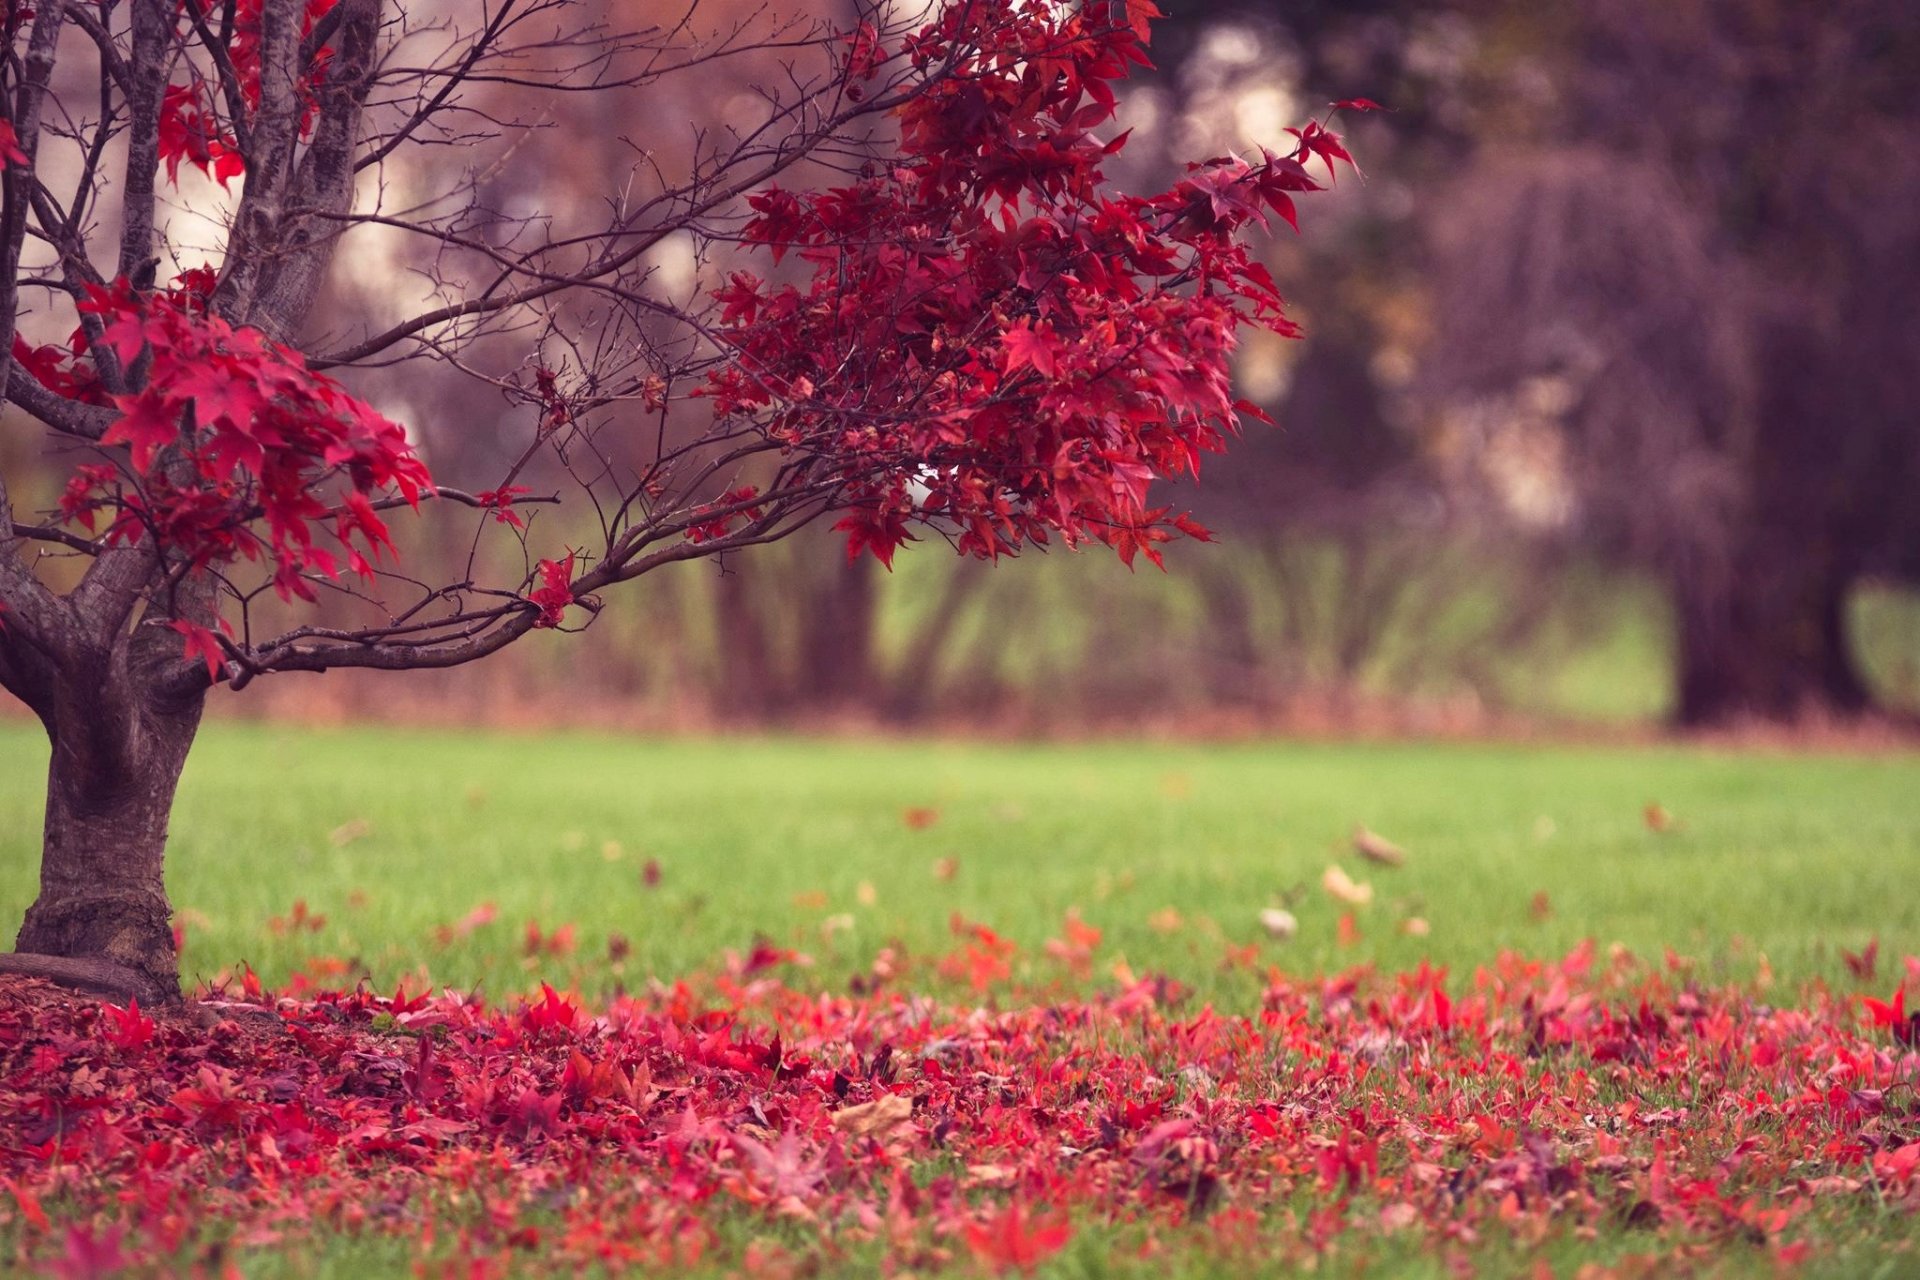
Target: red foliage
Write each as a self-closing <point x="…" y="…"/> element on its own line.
<point x="1537" y="1097"/>
<point x="193" y="124"/>
<point x="984" y="337"/>
<point x="10" y="152"/>
<point x="990" y="339"/>
<point x="555" y="591"/>
<point x="230" y="430"/>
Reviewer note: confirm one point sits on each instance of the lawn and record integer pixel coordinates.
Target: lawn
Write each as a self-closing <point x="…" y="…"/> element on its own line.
<point x="837" y="849"/>
<point x="1119" y="1071"/>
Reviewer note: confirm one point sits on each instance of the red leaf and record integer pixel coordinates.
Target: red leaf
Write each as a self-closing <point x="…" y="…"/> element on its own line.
<point x="129" y="1028"/>
<point x="1014" y="1240"/>
<point x="10" y="151"/>
<point x="201" y="643"/>
<point x="555" y="591"/>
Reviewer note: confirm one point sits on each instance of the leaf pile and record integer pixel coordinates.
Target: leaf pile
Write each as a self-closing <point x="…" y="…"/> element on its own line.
<point x="1535" y="1100"/>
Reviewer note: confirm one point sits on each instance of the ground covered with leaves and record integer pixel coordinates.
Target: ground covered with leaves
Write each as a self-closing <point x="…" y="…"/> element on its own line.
<point x="1593" y="1112"/>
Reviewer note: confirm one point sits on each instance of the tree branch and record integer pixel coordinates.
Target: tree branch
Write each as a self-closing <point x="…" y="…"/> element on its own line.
<point x="323" y="185"/>
<point x="152" y="39"/>
<point x="258" y="236"/>
<point x="68" y="417"/>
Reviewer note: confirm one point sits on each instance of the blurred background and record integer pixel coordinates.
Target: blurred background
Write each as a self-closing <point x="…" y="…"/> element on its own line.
<point x="1605" y="416"/>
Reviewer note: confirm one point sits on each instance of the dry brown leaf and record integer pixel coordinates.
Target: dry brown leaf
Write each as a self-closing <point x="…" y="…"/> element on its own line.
<point x="347" y="832"/>
<point x="1278" y="923"/>
<point x="1343" y="887"/>
<point x="1377" y="848"/>
<point x="991" y="1175"/>
<point x="874" y="1119"/>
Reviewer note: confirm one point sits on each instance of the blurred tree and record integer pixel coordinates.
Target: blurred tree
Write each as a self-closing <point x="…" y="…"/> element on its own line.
<point x="1707" y="258"/>
<point x="1355" y="535"/>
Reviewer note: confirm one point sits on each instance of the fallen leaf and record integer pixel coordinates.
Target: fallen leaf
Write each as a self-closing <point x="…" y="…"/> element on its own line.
<point x="991" y="1175"/>
<point x="1861" y="964"/>
<point x="1340" y="885"/>
<point x="1278" y="923"/>
<point x="874" y="1119"/>
<point x="347" y="832"/>
<point x="1235" y="956"/>
<point x="1348" y="931"/>
<point x="1377" y="848"/>
<point x="479" y="917"/>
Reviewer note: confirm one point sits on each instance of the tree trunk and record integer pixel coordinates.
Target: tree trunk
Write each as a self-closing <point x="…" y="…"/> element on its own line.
<point x="1771" y="643"/>
<point x="836" y="636"/>
<point x="745" y="680"/>
<point x="103" y="905"/>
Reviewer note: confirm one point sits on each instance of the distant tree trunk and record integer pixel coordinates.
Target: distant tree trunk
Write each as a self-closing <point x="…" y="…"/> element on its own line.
<point x="836" y="636"/>
<point x="1234" y="671"/>
<point x="1771" y="643"/>
<point x="746" y="676"/>
<point x="103" y="907"/>
<point x="912" y="687"/>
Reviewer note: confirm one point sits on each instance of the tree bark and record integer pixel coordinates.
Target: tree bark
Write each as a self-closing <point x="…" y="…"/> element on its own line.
<point x="836" y="636"/>
<point x="1769" y="643"/>
<point x="103" y="904"/>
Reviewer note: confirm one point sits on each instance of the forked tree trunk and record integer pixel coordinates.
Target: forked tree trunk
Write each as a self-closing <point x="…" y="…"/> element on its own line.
<point x="102" y="916"/>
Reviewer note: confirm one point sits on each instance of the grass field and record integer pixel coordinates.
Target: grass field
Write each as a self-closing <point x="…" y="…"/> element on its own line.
<point x="1679" y="1114"/>
<point x="1170" y="850"/>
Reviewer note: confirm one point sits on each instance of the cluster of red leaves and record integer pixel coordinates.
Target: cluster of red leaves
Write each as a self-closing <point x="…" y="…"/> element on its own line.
<point x="1538" y="1098"/>
<point x="230" y="430"/>
<point x="990" y="340"/>
<point x="194" y="124"/>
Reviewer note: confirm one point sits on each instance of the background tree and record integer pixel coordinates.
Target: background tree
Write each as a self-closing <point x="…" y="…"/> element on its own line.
<point x="962" y="330"/>
<point x="1698" y="225"/>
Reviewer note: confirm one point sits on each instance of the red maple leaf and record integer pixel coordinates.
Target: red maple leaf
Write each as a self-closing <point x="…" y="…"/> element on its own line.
<point x="555" y="591"/>
<point x="10" y="151"/>
<point x="128" y="1028"/>
<point x="1892" y="1014"/>
<point x="1014" y="1239"/>
<point x="201" y="643"/>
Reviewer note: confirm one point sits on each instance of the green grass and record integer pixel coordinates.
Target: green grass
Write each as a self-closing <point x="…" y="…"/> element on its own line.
<point x="1788" y="856"/>
<point x="1791" y="857"/>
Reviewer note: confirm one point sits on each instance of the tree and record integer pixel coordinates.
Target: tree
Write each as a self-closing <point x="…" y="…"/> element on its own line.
<point x="960" y="329"/>
<point x="1708" y="251"/>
